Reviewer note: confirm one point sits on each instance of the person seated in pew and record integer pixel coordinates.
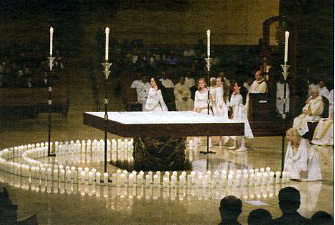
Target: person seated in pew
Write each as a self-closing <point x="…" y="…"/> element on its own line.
<point x="27" y="82"/>
<point x="166" y="82"/>
<point x="301" y="161"/>
<point x="182" y="95"/>
<point x="311" y="112"/>
<point x="142" y="88"/>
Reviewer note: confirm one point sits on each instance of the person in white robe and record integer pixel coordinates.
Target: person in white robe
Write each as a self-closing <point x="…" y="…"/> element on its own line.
<point x="280" y="98"/>
<point x="311" y="112"/>
<point x="212" y="95"/>
<point x="166" y="82"/>
<point x="301" y="161"/>
<point x="324" y="131"/>
<point x="323" y="89"/>
<point x="258" y="86"/>
<point x="189" y="80"/>
<point x="220" y="108"/>
<point x="155" y="101"/>
<point x="201" y="106"/>
<point x="182" y="95"/>
<point x="142" y="89"/>
<point x="226" y="86"/>
<point x="239" y="115"/>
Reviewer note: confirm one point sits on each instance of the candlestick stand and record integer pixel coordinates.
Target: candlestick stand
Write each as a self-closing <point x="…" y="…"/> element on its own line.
<point x="51" y="60"/>
<point x="106" y="71"/>
<point x="208" y="104"/>
<point x="285" y="72"/>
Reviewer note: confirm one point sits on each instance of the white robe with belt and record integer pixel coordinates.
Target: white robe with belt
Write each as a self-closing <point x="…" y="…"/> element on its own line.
<point x="304" y="160"/>
<point x="155" y="101"/>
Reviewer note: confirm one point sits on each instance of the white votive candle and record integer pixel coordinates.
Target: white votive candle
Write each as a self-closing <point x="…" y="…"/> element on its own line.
<point x="277" y="177"/>
<point x="105" y="178"/>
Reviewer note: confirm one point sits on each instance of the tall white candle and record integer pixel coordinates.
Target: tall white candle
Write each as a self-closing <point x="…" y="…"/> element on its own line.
<point x="287" y="34"/>
<point x="208" y="43"/>
<point x="107" y="43"/>
<point x="51" y="37"/>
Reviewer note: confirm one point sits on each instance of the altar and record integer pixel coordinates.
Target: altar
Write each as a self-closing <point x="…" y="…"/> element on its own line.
<point x="159" y="137"/>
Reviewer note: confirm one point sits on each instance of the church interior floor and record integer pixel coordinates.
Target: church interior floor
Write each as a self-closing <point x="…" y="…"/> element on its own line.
<point x="62" y="203"/>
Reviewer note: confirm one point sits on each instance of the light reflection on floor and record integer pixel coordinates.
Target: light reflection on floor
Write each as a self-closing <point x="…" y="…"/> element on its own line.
<point x="54" y="202"/>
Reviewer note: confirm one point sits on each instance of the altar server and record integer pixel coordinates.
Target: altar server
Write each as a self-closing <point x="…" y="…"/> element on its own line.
<point x="239" y="114"/>
<point x="220" y="107"/>
<point x="301" y="161"/>
<point x="201" y="105"/>
<point x="155" y="100"/>
<point x="182" y="95"/>
<point x="311" y="112"/>
<point x="212" y="94"/>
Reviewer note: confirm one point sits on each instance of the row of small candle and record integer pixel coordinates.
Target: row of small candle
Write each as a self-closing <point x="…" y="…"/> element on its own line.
<point x="37" y="170"/>
<point x="93" y="146"/>
<point x="148" y="192"/>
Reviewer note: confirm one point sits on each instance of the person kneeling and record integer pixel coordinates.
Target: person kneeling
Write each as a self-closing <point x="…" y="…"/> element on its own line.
<point x="301" y="161"/>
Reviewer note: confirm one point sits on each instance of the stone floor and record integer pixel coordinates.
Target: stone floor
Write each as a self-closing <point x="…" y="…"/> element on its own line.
<point x="79" y="204"/>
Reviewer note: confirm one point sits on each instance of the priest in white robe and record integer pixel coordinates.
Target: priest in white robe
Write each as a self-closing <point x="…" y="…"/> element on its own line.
<point x="182" y="95"/>
<point x="258" y="86"/>
<point x="311" y="112"/>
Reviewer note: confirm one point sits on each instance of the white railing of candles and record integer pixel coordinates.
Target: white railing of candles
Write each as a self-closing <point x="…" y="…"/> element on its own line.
<point x="34" y="169"/>
<point x="143" y="191"/>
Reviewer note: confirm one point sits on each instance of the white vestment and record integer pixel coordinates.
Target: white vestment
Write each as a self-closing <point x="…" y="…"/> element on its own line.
<point x="142" y="90"/>
<point x="180" y="92"/>
<point x="219" y="107"/>
<point x="311" y="112"/>
<point x="324" y="132"/>
<point x="155" y="101"/>
<point x="190" y="82"/>
<point x="280" y="98"/>
<point x="200" y="101"/>
<point x="331" y="102"/>
<point x="167" y="83"/>
<point x="302" y="160"/>
<point x="240" y="114"/>
<point x="323" y="92"/>
<point x="256" y="87"/>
